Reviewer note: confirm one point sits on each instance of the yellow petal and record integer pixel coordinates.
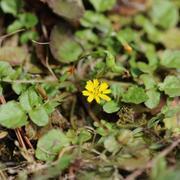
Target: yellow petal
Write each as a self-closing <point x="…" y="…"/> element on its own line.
<point x="103" y="86"/>
<point x="97" y="99"/>
<point x="105" y="97"/>
<point x="90" y="98"/>
<point x="96" y="83"/>
<point x="86" y="93"/>
<point x="89" y="86"/>
<point x="107" y="91"/>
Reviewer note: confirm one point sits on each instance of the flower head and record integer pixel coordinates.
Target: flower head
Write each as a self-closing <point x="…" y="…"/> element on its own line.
<point x="96" y="91"/>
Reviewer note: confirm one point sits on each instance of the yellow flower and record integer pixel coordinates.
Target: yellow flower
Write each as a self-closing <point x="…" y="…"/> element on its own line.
<point x="96" y="91"/>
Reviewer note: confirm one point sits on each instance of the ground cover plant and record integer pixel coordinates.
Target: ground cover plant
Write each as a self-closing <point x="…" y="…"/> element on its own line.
<point x="89" y="89"/>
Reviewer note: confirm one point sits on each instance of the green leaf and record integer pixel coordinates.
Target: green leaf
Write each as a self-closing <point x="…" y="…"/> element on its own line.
<point x="111" y="144"/>
<point x="172" y="124"/>
<point x="164" y="13"/>
<point x="50" y="106"/>
<point x="159" y="168"/>
<point x="126" y="35"/>
<point x="170" y="59"/>
<point x="11" y="6"/>
<point x="169" y="111"/>
<point x="16" y="25"/>
<point x="55" y="169"/>
<point x="145" y="68"/>
<point x="28" y="20"/>
<point x="96" y="20"/>
<point x="30" y="99"/>
<point x="87" y="38"/>
<point x="135" y="95"/>
<point x="12" y="115"/>
<point x="72" y="9"/>
<point x="5" y="69"/>
<point x="104" y="128"/>
<point x="39" y="116"/>
<point x="51" y="144"/>
<point x="111" y="107"/>
<point x="125" y="136"/>
<point x="117" y="90"/>
<point x="103" y="5"/>
<point x="63" y="45"/>
<point x="171" y="86"/>
<point x="28" y="35"/>
<point x="153" y="33"/>
<point x="25" y="101"/>
<point x="171" y="38"/>
<point x="84" y="136"/>
<point x="18" y="88"/>
<point x="154" y="98"/>
<point x="111" y="64"/>
<point x="148" y="81"/>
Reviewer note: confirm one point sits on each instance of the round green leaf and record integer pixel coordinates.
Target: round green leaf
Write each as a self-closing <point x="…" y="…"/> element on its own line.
<point x="164" y="13"/>
<point x="171" y="86"/>
<point x="154" y="98"/>
<point x="72" y="9"/>
<point x="111" y="107"/>
<point x="135" y="95"/>
<point x="39" y="116"/>
<point x="63" y="45"/>
<point x="170" y="59"/>
<point x="28" y="20"/>
<point x="12" y="115"/>
<point x="50" y="144"/>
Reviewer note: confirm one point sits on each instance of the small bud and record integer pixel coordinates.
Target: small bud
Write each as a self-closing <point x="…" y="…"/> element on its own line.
<point x="128" y="48"/>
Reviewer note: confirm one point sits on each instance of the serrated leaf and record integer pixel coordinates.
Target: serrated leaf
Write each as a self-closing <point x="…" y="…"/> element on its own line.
<point x="171" y="86"/>
<point x="103" y="5"/>
<point x="135" y="95"/>
<point x="63" y="45"/>
<point x="96" y="20"/>
<point x="12" y="115"/>
<point x="148" y="81"/>
<point x="164" y="13"/>
<point x="171" y="38"/>
<point x="154" y="98"/>
<point x="39" y="116"/>
<point x="51" y="144"/>
<point x="117" y="90"/>
<point x="170" y="59"/>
